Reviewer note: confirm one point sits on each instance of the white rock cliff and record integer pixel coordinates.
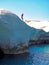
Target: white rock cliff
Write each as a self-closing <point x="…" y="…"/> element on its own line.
<point x="15" y="34"/>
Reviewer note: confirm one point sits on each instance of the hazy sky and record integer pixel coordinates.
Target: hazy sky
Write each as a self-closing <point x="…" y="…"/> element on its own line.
<point x="32" y="9"/>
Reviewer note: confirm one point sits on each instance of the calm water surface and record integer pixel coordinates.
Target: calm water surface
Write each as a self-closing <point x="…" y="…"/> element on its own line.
<point x="38" y="55"/>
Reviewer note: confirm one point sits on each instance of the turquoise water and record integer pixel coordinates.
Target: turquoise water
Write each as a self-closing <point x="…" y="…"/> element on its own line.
<point x="37" y="55"/>
<point x="39" y="48"/>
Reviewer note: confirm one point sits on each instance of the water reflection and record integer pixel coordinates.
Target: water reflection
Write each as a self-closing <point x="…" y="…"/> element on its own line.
<point x="22" y="59"/>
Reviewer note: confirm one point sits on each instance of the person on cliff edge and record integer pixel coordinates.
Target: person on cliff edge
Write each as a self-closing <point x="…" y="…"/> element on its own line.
<point x="22" y="16"/>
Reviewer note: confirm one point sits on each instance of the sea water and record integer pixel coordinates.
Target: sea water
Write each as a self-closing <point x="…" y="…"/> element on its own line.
<point x="37" y="55"/>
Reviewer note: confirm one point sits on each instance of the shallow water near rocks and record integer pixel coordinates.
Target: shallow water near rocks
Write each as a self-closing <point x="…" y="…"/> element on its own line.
<point x="37" y="55"/>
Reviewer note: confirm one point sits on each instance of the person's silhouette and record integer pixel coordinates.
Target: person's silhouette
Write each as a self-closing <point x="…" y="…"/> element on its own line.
<point x="22" y="16"/>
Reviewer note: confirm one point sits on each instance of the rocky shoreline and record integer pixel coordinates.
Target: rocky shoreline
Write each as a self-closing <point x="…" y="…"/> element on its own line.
<point x="38" y="42"/>
<point x="13" y="50"/>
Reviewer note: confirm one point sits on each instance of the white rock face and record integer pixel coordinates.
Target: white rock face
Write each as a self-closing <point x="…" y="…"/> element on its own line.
<point x="13" y="30"/>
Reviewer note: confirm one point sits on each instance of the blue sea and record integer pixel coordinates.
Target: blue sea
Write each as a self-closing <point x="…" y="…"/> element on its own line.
<point x="37" y="55"/>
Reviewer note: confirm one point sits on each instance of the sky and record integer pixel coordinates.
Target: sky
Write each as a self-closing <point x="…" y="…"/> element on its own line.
<point x="32" y="9"/>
